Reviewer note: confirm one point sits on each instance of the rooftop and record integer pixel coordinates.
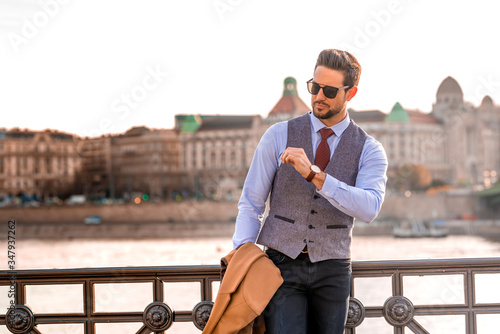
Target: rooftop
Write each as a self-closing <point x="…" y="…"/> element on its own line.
<point x="290" y="103"/>
<point x="195" y="123"/>
<point x="397" y="114"/>
<point x="366" y="115"/>
<point x="222" y="122"/>
<point x="417" y="116"/>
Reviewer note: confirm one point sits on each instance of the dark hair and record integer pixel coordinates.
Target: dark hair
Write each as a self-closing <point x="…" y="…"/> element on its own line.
<point x="341" y="61"/>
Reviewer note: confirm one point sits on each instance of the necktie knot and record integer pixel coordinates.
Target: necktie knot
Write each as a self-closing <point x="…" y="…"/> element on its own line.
<point x="325" y="133"/>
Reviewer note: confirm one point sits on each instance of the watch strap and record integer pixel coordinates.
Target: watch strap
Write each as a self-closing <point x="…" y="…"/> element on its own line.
<point x="311" y="176"/>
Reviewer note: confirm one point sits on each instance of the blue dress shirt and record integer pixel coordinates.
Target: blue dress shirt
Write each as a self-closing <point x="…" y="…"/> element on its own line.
<point x="363" y="201"/>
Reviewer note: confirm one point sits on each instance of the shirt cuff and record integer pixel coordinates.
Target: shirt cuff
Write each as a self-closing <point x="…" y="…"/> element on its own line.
<point x="330" y="187"/>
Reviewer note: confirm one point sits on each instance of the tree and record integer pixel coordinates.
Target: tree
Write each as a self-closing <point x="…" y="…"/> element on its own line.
<point x="411" y="177"/>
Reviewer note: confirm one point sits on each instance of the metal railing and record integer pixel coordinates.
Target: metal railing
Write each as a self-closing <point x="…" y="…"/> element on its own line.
<point x="398" y="310"/>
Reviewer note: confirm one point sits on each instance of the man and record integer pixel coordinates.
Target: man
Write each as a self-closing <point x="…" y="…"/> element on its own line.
<point x="319" y="181"/>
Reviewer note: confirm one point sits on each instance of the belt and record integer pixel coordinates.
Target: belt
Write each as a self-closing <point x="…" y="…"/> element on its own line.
<point x="304" y="251"/>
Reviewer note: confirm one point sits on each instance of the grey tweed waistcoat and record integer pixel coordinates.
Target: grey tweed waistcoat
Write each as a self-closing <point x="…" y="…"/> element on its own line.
<point x="298" y="215"/>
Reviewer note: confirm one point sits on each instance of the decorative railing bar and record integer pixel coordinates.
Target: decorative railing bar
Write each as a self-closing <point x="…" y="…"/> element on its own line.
<point x="417" y="328"/>
<point x="380" y="266"/>
<point x="398" y="310"/>
<point x="470" y="299"/>
<point x="125" y="317"/>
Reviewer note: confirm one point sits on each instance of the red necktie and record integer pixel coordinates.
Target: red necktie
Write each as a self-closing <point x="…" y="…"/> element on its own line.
<point x="323" y="151"/>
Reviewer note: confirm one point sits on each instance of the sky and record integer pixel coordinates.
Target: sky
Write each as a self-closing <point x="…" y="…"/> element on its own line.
<point x="97" y="67"/>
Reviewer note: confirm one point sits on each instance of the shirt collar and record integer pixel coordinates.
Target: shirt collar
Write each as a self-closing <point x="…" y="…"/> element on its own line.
<point x="338" y="128"/>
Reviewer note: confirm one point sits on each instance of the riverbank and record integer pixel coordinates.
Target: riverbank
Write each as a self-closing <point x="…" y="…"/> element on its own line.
<point x="206" y="219"/>
<point x="141" y="230"/>
<point x="211" y="229"/>
<point x="150" y="212"/>
<point x="427" y="207"/>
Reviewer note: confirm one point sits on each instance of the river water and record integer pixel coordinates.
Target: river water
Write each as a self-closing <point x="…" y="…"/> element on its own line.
<point x="79" y="253"/>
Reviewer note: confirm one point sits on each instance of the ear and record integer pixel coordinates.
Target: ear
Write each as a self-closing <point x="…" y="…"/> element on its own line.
<point x="351" y="92"/>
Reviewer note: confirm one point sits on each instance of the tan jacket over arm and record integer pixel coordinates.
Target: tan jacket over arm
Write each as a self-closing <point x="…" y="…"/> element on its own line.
<point x="249" y="283"/>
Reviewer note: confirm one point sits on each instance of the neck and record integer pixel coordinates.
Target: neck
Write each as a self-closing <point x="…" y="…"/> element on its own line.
<point x="335" y="119"/>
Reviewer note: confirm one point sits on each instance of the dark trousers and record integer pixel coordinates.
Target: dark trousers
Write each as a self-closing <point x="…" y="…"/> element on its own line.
<point x="313" y="299"/>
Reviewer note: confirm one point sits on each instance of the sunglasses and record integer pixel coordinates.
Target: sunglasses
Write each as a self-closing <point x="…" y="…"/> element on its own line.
<point x="329" y="91"/>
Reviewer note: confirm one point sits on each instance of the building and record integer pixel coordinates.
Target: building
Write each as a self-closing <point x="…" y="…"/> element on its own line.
<point x="38" y="163"/>
<point x="456" y="143"/>
<point x="146" y="161"/>
<point x="216" y="152"/>
<point x="471" y="134"/>
<point x="412" y="141"/>
<point x="208" y="156"/>
<point x="95" y="181"/>
<point x="140" y="162"/>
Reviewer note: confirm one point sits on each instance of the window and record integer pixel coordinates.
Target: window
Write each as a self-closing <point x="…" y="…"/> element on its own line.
<point x="48" y="166"/>
<point x="212" y="160"/>
<point x="233" y="159"/>
<point x="194" y="155"/>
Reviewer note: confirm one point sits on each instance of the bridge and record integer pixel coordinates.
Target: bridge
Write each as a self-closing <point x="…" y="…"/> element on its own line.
<point x="396" y="293"/>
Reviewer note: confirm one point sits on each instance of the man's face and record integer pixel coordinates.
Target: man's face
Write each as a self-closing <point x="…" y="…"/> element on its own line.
<point x="330" y="111"/>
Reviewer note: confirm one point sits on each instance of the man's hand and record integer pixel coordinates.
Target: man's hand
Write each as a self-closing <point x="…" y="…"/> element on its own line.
<point x="298" y="159"/>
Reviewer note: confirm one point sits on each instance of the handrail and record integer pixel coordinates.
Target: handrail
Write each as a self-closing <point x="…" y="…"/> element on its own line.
<point x="398" y="310"/>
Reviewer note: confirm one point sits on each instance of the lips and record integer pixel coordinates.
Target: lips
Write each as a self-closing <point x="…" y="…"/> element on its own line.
<point x="321" y="105"/>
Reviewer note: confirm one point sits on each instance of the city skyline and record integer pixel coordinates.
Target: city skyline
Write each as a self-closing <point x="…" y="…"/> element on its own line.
<point x="96" y="68"/>
<point x="263" y="116"/>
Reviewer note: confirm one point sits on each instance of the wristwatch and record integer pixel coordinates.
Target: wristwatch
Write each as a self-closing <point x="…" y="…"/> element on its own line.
<point x="314" y="170"/>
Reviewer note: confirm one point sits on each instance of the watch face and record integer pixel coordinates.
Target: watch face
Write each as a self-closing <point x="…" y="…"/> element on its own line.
<point x="315" y="169"/>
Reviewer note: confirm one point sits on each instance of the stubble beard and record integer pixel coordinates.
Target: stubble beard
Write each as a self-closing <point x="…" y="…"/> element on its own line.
<point x="332" y="111"/>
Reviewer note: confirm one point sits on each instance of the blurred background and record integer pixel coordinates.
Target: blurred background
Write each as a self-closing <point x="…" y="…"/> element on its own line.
<point x="128" y="127"/>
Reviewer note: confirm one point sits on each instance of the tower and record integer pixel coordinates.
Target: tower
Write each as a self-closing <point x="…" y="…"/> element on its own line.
<point x="449" y="100"/>
<point x="290" y="105"/>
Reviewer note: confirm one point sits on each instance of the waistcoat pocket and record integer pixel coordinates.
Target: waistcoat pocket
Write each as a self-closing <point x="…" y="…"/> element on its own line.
<point x="332" y="227"/>
<point x="288" y="220"/>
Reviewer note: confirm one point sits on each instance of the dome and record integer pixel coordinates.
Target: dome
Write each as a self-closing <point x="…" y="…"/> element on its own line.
<point x="487" y="101"/>
<point x="450" y="86"/>
<point x="397" y="114"/>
